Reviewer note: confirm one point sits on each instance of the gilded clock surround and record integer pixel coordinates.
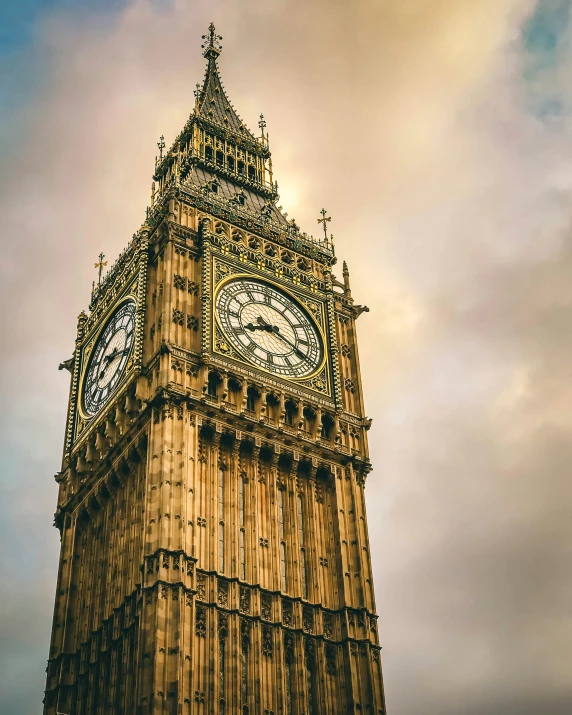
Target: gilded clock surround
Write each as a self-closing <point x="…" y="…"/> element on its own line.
<point x="316" y="314"/>
<point x="91" y="342"/>
<point x="214" y="548"/>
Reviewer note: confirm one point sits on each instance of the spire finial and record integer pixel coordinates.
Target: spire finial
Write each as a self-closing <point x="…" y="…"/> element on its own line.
<point x="211" y="45"/>
<point x="324" y="220"/>
<point x="161" y="146"/>
<point x="197" y="93"/>
<point x="100" y="264"/>
<point x="262" y="124"/>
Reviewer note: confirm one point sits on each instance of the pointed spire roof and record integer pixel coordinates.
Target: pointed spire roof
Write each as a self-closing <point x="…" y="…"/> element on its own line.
<point x="218" y="163"/>
<point x="213" y="105"/>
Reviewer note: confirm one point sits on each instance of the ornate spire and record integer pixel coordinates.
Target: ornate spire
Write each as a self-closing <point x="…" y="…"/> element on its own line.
<point x="212" y="104"/>
<point x="218" y="157"/>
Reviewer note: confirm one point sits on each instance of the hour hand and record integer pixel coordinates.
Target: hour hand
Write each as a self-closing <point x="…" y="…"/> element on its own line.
<point x="111" y="357"/>
<point x="262" y="325"/>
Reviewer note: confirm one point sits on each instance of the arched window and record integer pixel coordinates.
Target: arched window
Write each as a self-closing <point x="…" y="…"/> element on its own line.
<point x="327" y="427"/>
<point x="272" y="404"/>
<point x="234" y="390"/>
<point x="219" y="158"/>
<point x="209" y="153"/>
<point x="230" y="162"/>
<point x="242" y="574"/>
<point x="241" y="167"/>
<point x="213" y="384"/>
<point x="310" y="658"/>
<point x="290" y="413"/>
<point x="280" y="499"/>
<point x="251" y="172"/>
<point x="252" y="396"/>
<point x="309" y="420"/>
<point x="221" y="499"/>
<point x="244" y="674"/>
<point x="289" y="670"/>
<point x="354" y="436"/>
<point x="302" y="542"/>
<point x="221" y="656"/>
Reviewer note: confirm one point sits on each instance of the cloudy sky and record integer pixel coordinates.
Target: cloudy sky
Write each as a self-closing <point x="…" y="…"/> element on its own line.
<point x="438" y="135"/>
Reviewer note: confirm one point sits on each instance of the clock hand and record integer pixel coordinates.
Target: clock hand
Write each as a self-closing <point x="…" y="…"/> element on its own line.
<point x="276" y="331"/>
<point x="262" y="325"/>
<point x="110" y="358"/>
<point x="115" y="353"/>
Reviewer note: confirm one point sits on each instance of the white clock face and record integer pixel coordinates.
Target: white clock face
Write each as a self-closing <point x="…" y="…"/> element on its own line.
<point x="268" y="328"/>
<point x="109" y="358"/>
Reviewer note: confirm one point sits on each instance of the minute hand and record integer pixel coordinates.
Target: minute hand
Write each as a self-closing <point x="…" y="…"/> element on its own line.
<point x="276" y="331"/>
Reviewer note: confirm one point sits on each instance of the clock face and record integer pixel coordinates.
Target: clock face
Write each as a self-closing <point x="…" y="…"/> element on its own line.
<point x="268" y="328"/>
<point x="109" y="358"/>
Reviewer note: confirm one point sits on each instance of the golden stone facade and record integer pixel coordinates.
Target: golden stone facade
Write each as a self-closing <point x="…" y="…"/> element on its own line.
<point x="214" y="545"/>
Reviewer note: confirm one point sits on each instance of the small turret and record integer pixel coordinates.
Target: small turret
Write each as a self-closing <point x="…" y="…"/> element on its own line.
<point x="346" y="274"/>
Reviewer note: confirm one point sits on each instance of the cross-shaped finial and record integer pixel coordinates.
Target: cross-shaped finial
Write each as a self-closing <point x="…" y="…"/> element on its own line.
<point x="324" y="220"/>
<point x="161" y="145"/>
<point x="197" y="92"/>
<point x="100" y="264"/>
<point x="211" y="44"/>
<point x="262" y="124"/>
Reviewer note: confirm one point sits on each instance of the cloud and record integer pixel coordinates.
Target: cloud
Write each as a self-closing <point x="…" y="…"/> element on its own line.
<point x="418" y="125"/>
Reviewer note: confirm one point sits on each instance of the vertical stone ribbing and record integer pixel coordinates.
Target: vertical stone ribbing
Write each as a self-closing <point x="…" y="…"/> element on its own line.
<point x="146" y="608"/>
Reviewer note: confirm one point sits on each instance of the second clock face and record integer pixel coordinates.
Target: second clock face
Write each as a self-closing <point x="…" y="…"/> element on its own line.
<point x="109" y="358"/>
<point x="268" y="328"/>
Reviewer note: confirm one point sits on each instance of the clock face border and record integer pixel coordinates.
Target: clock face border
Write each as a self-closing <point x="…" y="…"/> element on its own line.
<point x="87" y="354"/>
<point x="291" y="296"/>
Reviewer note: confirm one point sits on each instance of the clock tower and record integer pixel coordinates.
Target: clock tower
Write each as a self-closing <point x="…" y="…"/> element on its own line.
<point x="214" y="545"/>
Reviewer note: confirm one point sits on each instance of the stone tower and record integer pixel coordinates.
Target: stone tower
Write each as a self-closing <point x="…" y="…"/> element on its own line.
<point x="214" y="544"/>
